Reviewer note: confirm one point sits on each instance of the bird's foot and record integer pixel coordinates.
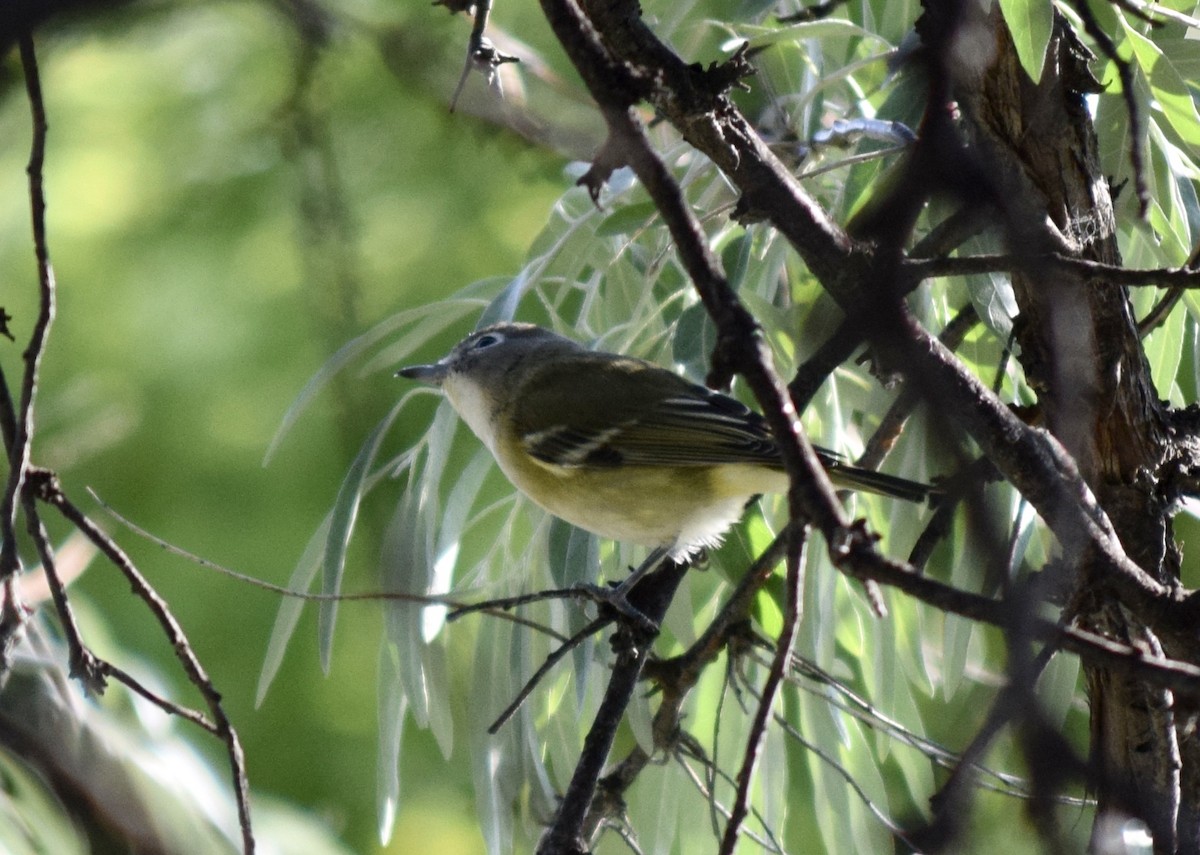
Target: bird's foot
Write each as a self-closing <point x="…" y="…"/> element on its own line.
<point x="617" y="600"/>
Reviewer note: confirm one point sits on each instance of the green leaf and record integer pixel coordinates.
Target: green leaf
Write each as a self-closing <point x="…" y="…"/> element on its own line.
<point x="452" y="527"/>
<point x="426" y="321"/>
<point x="289" y="609"/>
<point x="1058" y="688"/>
<point x="693" y="342"/>
<point x="1164" y="351"/>
<point x="341" y="525"/>
<point x="32" y="819"/>
<point x="1030" y="23"/>
<point x="393" y="705"/>
<point x="1171" y="94"/>
<point x="830" y="28"/>
<point x="628" y="219"/>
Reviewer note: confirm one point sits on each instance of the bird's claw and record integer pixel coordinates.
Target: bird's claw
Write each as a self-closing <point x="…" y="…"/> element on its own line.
<point x="616" y="599"/>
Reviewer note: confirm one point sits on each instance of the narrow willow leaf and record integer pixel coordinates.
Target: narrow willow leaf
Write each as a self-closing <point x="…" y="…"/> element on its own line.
<point x="452" y="527"/>
<point x="915" y="766"/>
<point x="491" y="755"/>
<point x="1058" y="687"/>
<point x="574" y="556"/>
<point x="663" y="797"/>
<point x="830" y="28"/>
<point x="439" y="438"/>
<point x="1164" y="351"/>
<point x="956" y="641"/>
<point x="1029" y="22"/>
<point x="341" y="524"/>
<point x="640" y="719"/>
<point x="694" y="340"/>
<point x="958" y="631"/>
<point x="834" y="818"/>
<point x="628" y="219"/>
<point x="504" y="306"/>
<point x="1171" y="93"/>
<point x="399" y="353"/>
<point x="437" y="671"/>
<point x="392" y="708"/>
<point x="290" y="607"/>
<point x="426" y="324"/>
<point x="34" y="819"/>
<point x="406" y="567"/>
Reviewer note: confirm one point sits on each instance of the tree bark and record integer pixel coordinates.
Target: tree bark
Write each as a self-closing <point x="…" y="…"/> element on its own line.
<point x="1080" y="349"/>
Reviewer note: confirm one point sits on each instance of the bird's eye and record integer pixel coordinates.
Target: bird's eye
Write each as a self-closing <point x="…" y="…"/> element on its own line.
<point x="487" y="340"/>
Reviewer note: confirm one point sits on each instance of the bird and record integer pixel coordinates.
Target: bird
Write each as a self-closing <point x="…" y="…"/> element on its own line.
<point x="620" y="446"/>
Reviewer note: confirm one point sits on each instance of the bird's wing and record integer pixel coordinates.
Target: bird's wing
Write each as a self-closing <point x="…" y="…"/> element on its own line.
<point x="645" y="415"/>
<point x="651" y="417"/>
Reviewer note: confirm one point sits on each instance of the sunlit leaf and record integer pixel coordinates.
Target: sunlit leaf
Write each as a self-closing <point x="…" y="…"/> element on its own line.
<point x="1172" y="94"/>
<point x="1029" y="22"/>
<point x="393" y="705"/>
<point x="816" y="30"/>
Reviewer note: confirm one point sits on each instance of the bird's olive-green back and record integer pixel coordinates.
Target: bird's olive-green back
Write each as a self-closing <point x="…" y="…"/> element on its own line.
<point x="634" y="413"/>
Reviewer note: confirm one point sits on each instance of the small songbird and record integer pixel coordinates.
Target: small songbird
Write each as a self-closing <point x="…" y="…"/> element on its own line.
<point x="619" y="446"/>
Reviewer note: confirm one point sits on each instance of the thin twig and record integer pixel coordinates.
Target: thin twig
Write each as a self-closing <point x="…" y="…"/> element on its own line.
<point x="1107" y="274"/>
<point x="494" y="608"/>
<point x="168" y="706"/>
<point x="566" y="833"/>
<point x="813" y="372"/>
<point x="793" y="610"/>
<point x="806" y="674"/>
<point x="1137" y="126"/>
<point x="813" y="13"/>
<point x="83" y="665"/>
<point x="1162" y="310"/>
<point x="482" y="9"/>
<point x="707" y="788"/>
<point x="553" y="659"/>
<point x="952" y="232"/>
<point x="1159" y="313"/>
<point x="677" y="676"/>
<point x="19" y="454"/>
<point x="840" y="768"/>
<point x="481" y="53"/>
<point x="891" y="426"/>
<point x="52" y="493"/>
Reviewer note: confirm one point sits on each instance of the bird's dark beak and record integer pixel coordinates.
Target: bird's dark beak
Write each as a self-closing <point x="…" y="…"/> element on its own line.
<point x="433" y="374"/>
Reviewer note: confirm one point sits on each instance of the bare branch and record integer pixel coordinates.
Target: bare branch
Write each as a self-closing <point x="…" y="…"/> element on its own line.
<point x="793" y="611"/>
<point x="1093" y="271"/>
<point x="567" y="834"/>
<point x="50" y="491"/>
<point x="19" y="453"/>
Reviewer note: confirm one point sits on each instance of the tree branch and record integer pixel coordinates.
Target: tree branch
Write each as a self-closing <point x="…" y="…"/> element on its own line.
<point x="49" y="491"/>
<point x="1054" y="262"/>
<point x="19" y="452"/>
<point x="792" y="612"/>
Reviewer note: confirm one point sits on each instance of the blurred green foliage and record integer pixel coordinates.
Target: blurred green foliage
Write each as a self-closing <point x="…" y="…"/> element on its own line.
<point x="192" y="311"/>
<point x="230" y="203"/>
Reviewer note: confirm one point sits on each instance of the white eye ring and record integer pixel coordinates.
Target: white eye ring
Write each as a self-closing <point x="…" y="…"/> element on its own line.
<point x="487" y="340"/>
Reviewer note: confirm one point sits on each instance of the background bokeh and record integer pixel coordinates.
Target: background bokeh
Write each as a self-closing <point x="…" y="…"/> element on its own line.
<point x="202" y="281"/>
<point x="238" y="189"/>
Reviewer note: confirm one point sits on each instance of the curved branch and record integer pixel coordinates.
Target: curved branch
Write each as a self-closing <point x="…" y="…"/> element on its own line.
<point x="1092" y="271"/>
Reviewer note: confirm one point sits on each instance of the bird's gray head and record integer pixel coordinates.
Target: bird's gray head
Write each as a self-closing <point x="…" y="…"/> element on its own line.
<point x="490" y="355"/>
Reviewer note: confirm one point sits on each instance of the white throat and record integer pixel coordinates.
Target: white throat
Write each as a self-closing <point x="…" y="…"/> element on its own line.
<point x="474" y="406"/>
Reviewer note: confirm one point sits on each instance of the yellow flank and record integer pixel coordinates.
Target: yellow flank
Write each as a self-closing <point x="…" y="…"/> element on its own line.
<point x="693" y="505"/>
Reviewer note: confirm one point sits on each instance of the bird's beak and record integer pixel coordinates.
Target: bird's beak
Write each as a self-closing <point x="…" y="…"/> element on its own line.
<point x="432" y="374"/>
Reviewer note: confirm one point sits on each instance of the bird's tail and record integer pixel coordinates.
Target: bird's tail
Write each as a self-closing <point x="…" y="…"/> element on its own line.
<point x="870" y="481"/>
